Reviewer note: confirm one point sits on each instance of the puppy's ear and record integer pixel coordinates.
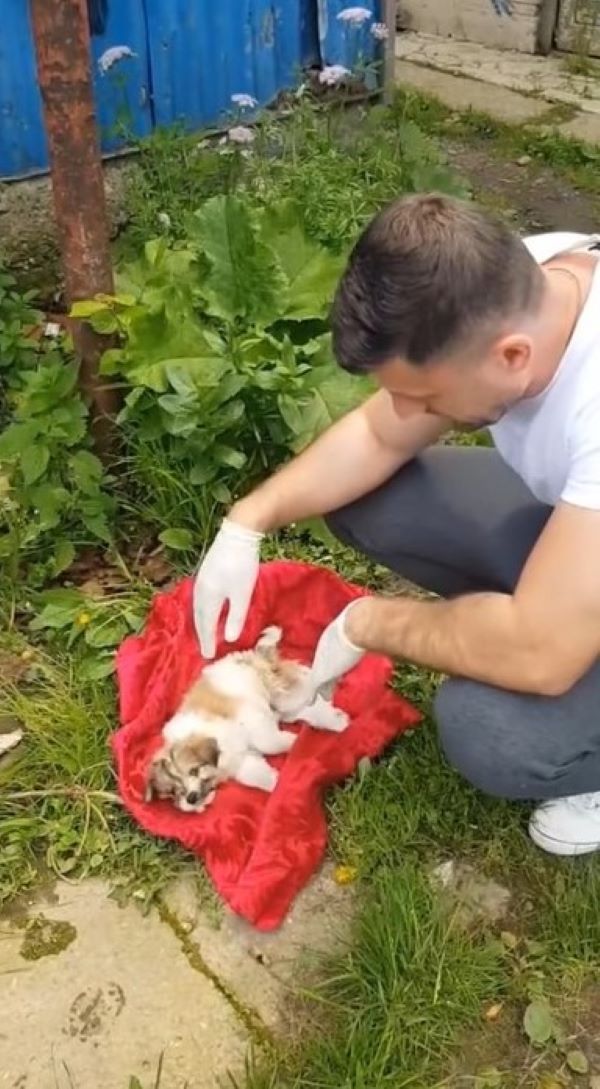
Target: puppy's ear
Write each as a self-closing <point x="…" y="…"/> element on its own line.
<point x="158" y="772"/>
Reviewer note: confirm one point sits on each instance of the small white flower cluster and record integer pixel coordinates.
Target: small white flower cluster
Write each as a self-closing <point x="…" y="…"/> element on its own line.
<point x="355" y="16"/>
<point x="244" y="101"/>
<point x="112" y="56"/>
<point x="380" y="32"/>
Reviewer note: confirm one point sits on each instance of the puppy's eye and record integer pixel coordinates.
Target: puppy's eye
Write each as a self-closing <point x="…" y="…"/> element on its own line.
<point x="195" y="770"/>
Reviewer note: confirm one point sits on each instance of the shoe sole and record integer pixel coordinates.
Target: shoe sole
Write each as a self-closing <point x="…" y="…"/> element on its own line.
<point x="560" y="847"/>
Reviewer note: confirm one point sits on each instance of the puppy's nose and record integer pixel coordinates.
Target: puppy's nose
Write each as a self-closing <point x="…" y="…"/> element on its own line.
<point x="193" y="797"/>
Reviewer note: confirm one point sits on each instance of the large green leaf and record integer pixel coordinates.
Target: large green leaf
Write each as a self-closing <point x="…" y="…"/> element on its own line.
<point x="87" y="471"/>
<point x="158" y="339"/>
<point x="339" y="391"/>
<point x="34" y="462"/>
<point x="16" y="438"/>
<point x="190" y="376"/>
<point x="328" y="393"/>
<point x="176" y="537"/>
<point x="245" y="279"/>
<point x="312" y="272"/>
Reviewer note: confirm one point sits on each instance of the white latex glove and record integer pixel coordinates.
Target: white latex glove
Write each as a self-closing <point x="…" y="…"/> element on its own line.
<point x="335" y="654"/>
<point x="228" y="573"/>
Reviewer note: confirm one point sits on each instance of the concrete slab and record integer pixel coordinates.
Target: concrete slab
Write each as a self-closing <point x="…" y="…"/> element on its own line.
<point x="547" y="78"/>
<point x="265" y="972"/>
<point x="106" y="992"/>
<point x="585" y="126"/>
<point x="463" y="93"/>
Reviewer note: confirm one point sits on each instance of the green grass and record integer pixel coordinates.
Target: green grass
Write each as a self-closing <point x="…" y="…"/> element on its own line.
<point x="389" y="1010"/>
<point x="403" y="1004"/>
<point x="395" y="1008"/>
<point x="59" y="814"/>
<point x="575" y="160"/>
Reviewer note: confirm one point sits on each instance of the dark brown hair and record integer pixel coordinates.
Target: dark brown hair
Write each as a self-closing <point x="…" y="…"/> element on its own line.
<point x="427" y="274"/>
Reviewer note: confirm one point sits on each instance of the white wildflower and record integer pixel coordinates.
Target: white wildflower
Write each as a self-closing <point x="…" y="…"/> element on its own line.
<point x="164" y="219"/>
<point x="355" y="16"/>
<point x="113" y="56"/>
<point x="240" y="134"/>
<point x="380" y="32"/>
<point x="244" y="102"/>
<point x="333" y="74"/>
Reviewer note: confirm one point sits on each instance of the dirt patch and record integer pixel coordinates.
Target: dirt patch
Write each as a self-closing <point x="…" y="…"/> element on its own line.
<point x="497" y="1055"/>
<point x="474" y="897"/>
<point x="533" y="196"/>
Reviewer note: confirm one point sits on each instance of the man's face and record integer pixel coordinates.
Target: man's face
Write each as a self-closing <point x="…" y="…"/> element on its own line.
<point x="473" y="393"/>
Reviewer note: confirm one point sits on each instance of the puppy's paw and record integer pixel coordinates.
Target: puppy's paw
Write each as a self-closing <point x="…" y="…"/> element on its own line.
<point x="322" y="715"/>
<point x="338" y="720"/>
<point x="270" y="780"/>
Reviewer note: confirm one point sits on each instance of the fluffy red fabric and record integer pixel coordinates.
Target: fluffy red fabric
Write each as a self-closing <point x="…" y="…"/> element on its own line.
<point x="259" y="849"/>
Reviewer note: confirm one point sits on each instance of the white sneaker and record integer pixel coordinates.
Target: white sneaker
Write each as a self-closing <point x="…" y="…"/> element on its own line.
<point x="568" y="826"/>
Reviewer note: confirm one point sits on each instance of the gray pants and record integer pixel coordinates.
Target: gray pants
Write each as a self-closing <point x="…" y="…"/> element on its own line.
<point x="454" y="521"/>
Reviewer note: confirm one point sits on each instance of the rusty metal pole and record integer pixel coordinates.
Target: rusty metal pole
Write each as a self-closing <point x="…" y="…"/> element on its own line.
<point x="62" y="42"/>
<point x="389" y="61"/>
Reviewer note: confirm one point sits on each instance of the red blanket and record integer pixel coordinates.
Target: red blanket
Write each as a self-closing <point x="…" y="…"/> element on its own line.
<point x="259" y="849"/>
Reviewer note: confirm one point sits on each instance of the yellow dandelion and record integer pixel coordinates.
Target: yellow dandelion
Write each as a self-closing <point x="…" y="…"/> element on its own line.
<point x="83" y="619"/>
<point x="345" y="875"/>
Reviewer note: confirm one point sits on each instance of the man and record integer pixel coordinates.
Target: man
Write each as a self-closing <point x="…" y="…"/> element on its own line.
<point x="461" y="323"/>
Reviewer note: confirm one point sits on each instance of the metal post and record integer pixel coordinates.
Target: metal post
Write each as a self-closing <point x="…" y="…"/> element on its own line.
<point x="62" y="42"/>
<point x="389" y="59"/>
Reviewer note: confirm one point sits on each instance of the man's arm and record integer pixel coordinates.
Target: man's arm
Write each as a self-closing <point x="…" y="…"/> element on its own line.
<point x="541" y="639"/>
<point x="354" y="456"/>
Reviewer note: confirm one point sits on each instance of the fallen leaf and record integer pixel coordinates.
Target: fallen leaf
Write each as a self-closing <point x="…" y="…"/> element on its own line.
<point x="537" y="1022"/>
<point x="493" y="1012"/>
<point x="577" y="1061"/>
<point x="92" y="587"/>
<point x="550" y="1081"/>
<point x="156" y="568"/>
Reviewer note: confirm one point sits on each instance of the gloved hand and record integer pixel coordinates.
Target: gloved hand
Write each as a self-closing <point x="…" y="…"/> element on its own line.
<point x="335" y="654"/>
<point x="228" y="573"/>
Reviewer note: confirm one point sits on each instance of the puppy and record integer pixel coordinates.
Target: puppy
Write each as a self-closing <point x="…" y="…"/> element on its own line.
<point x="228" y="722"/>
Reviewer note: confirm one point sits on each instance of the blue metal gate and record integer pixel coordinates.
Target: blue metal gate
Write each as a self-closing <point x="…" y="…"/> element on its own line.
<point x="188" y="58"/>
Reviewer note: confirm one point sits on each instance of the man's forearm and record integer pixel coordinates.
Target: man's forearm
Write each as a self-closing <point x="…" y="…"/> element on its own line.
<point x="343" y="464"/>
<point x="481" y="636"/>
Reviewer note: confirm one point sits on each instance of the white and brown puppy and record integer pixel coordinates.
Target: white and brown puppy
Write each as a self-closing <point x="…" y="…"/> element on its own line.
<point x="228" y="722"/>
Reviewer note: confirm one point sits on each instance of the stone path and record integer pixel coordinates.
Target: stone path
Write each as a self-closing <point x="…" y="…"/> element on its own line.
<point x="511" y="86"/>
<point x="92" y="993"/>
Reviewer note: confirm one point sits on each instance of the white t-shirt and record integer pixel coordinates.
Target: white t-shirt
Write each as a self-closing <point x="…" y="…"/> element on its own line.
<point x="552" y="441"/>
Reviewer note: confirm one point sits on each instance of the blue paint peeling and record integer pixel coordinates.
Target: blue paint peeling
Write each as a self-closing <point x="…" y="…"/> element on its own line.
<point x="190" y="57"/>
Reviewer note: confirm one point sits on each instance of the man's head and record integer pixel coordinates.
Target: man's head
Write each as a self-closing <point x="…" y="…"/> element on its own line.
<point x="439" y="301"/>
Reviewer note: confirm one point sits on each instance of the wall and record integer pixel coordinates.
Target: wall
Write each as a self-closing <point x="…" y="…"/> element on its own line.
<point x="578" y="29"/>
<point x="529" y="28"/>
